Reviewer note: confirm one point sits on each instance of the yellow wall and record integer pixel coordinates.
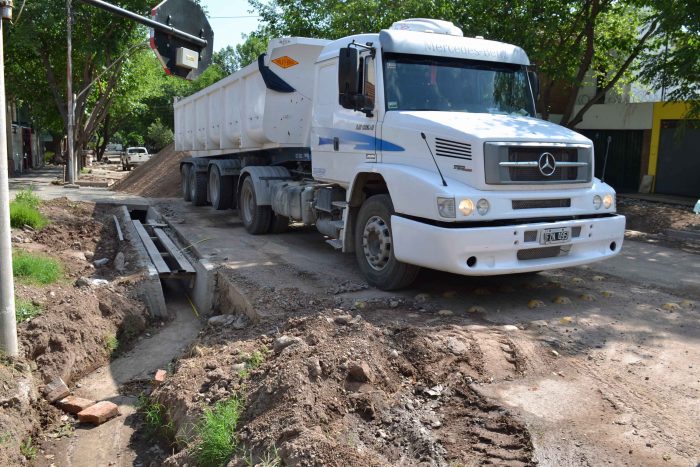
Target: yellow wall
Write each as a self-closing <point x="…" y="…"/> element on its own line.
<point x="662" y="111"/>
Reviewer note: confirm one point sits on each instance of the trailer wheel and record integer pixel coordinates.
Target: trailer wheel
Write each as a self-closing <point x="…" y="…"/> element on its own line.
<point x="278" y="224"/>
<point x="198" y="187"/>
<point x="185" y="181"/>
<point x="374" y="246"/>
<point x="220" y="189"/>
<point x="256" y="219"/>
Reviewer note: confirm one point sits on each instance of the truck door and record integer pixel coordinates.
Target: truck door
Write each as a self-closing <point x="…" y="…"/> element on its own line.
<point x="338" y="146"/>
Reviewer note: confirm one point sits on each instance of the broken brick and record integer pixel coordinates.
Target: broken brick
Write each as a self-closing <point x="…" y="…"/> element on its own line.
<point x="98" y="413"/>
<point x="75" y="404"/>
<point x="159" y="378"/>
<point x="56" y="390"/>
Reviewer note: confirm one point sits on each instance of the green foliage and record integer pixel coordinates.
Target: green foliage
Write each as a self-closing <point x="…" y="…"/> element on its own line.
<point x="270" y="459"/>
<point x="28" y="197"/>
<point x="216" y="432"/>
<point x="111" y="343"/>
<point x="155" y="415"/>
<point x="35" y="268"/>
<point x="158" y="135"/>
<point x="22" y="214"/>
<point x="27" y="449"/>
<point x="26" y="309"/>
<point x="254" y="361"/>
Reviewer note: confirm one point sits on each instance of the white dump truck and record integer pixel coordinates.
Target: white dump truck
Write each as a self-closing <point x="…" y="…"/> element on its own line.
<point x="414" y="147"/>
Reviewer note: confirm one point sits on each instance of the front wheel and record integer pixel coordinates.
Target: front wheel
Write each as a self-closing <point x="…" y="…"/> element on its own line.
<point x="374" y="246"/>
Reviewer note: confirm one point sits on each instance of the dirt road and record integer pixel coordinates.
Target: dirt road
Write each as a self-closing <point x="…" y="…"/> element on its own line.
<point x="601" y="363"/>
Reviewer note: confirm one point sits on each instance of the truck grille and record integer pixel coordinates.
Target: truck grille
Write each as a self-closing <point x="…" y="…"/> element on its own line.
<point x="544" y="252"/>
<point x="541" y="203"/>
<point x="520" y="164"/>
<point x="453" y="149"/>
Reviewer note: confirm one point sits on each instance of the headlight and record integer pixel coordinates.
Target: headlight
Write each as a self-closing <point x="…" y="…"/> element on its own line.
<point x="466" y="207"/>
<point x="482" y="207"/>
<point x="597" y="201"/>
<point x="608" y="201"/>
<point x="446" y="207"/>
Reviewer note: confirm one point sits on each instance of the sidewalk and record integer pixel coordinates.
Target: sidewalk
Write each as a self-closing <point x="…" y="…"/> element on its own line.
<point x="40" y="180"/>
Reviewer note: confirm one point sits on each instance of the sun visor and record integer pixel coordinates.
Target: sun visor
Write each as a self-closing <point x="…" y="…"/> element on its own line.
<point x="441" y="45"/>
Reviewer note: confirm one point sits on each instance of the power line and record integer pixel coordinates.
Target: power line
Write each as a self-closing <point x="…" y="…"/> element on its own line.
<point x="234" y="17"/>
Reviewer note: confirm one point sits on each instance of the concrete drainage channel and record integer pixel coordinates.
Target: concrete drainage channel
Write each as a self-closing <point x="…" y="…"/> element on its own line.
<point x="166" y="257"/>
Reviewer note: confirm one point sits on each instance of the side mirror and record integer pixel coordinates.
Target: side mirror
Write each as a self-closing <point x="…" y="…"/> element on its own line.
<point x="535" y="83"/>
<point x="348" y="76"/>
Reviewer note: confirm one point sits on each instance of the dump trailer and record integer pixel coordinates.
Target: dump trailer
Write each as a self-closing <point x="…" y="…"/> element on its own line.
<point x="414" y="147"/>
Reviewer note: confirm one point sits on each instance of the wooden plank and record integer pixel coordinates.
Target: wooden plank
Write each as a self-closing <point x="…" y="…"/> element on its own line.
<point x="120" y="235"/>
<point x="174" y="251"/>
<point x="153" y="252"/>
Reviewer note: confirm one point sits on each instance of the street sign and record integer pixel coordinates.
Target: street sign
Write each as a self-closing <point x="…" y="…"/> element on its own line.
<point x="180" y="55"/>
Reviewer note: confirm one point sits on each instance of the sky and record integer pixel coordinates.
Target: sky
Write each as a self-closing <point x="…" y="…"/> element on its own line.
<point x="228" y="30"/>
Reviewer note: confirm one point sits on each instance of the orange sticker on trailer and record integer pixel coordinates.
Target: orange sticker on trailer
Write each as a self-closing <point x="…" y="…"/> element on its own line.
<point x="285" y="62"/>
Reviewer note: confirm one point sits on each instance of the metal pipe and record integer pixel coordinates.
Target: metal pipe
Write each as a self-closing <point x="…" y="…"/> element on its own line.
<point x="146" y="21"/>
<point x="71" y="168"/>
<point x="8" y="325"/>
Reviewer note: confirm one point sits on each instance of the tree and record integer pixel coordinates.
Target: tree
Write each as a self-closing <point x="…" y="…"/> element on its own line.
<point x="158" y="135"/>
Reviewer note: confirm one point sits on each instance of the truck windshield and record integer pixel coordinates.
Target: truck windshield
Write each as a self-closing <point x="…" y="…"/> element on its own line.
<point x="416" y="82"/>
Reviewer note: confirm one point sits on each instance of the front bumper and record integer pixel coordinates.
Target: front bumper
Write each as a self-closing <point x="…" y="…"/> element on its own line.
<point x="506" y="249"/>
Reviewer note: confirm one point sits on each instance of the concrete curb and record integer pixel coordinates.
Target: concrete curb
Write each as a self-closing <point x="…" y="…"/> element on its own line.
<point x="150" y="288"/>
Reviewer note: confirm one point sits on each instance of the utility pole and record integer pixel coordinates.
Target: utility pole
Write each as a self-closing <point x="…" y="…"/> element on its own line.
<point x="71" y="167"/>
<point x="8" y="325"/>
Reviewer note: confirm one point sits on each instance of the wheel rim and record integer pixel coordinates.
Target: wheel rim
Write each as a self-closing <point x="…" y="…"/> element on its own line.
<point x="214" y="186"/>
<point x="247" y="204"/>
<point x="376" y="243"/>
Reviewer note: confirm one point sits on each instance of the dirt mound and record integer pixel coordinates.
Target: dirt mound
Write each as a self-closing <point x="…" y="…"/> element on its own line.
<point x="654" y="217"/>
<point x="157" y="178"/>
<point x="338" y="390"/>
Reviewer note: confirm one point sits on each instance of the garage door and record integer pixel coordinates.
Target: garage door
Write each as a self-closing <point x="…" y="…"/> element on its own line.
<point x="678" y="169"/>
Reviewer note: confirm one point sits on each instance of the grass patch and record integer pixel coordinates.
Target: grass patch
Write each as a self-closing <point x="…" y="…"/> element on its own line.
<point x="217" y="433"/>
<point x="24" y="210"/>
<point x="155" y="415"/>
<point x="111" y="343"/>
<point x="27" y="449"/>
<point x="34" y="268"/>
<point x="254" y="361"/>
<point x="270" y="459"/>
<point x="25" y="309"/>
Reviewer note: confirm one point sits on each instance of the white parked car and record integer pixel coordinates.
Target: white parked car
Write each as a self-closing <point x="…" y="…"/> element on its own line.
<point x="134" y="156"/>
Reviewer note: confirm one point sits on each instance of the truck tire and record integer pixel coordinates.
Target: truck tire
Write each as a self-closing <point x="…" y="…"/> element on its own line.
<point x="256" y="219"/>
<point x="278" y="224"/>
<point x="220" y="189"/>
<point x="373" y="246"/>
<point x="185" y="181"/>
<point x="198" y="187"/>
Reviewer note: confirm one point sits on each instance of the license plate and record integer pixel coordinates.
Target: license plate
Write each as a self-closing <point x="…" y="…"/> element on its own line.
<point x="557" y="235"/>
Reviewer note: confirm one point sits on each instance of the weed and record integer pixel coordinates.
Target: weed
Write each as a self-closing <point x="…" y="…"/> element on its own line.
<point x="28" y="197"/>
<point x="22" y="214"/>
<point x="35" y="268"/>
<point x="217" y="433"/>
<point x="270" y="459"/>
<point x="27" y="450"/>
<point x="111" y="343"/>
<point x="254" y="361"/>
<point x="156" y="417"/>
<point x="25" y="309"/>
<point x="5" y="437"/>
<point x="85" y="170"/>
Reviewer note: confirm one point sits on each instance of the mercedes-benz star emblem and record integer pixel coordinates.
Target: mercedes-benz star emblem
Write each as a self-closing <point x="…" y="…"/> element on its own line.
<point x="547" y="164"/>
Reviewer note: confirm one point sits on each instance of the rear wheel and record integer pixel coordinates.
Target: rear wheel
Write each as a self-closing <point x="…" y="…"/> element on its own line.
<point x="374" y="246"/>
<point x="256" y="219"/>
<point x="198" y="187"/>
<point x="220" y="189"/>
<point x="185" y="181"/>
<point x="278" y="224"/>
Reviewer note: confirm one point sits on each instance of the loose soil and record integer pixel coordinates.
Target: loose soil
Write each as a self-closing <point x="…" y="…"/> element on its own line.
<point x="157" y="178"/>
<point x="79" y="317"/>
<point x="655" y="217"/>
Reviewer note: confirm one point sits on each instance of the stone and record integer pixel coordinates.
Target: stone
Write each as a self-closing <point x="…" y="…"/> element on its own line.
<point x="510" y="328"/>
<point x="56" y="390"/>
<point x="120" y="262"/>
<point x="422" y="297"/>
<point x="221" y="320"/>
<point x="82" y="282"/>
<point x="561" y="300"/>
<point x="75" y="404"/>
<point x="159" y="377"/>
<point x="239" y="323"/>
<point x="360" y="372"/>
<point x="99" y="413"/>
<point x="283" y="342"/>
<point x="238" y="367"/>
<point x="532" y="304"/>
<point x="314" y="367"/>
<point x="394" y="353"/>
<point x="566" y="320"/>
<point x="393" y="304"/>
<point x="100" y="262"/>
<point x="445" y="312"/>
<point x="343" y="319"/>
<point x="476" y="309"/>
